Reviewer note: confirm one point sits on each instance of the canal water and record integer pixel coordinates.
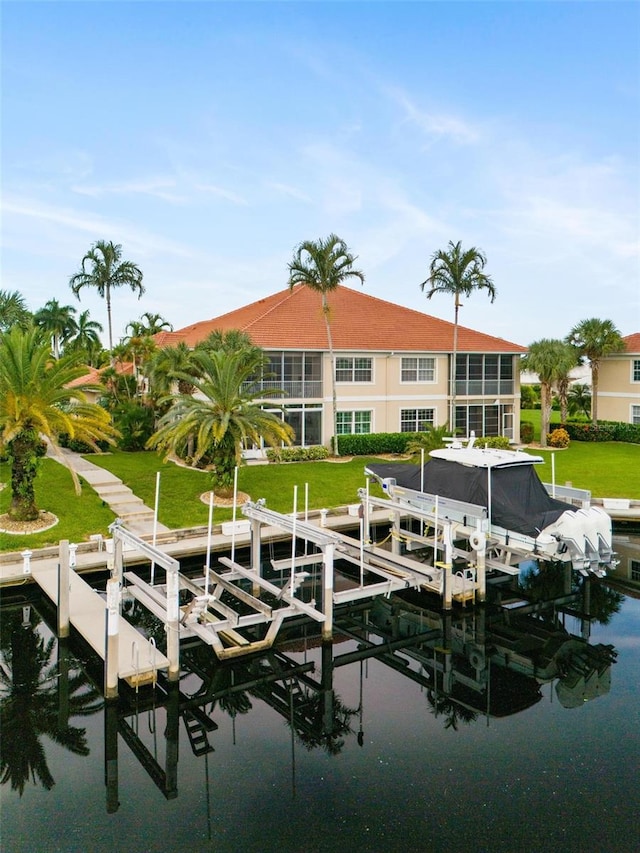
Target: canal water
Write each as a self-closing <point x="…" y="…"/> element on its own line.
<point x="512" y="727"/>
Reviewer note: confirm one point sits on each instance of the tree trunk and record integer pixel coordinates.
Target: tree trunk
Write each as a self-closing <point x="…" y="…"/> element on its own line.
<point x="108" y="301"/>
<point x="452" y="411"/>
<point x="545" y="412"/>
<point x="24" y="452"/>
<point x="334" y="394"/>
<point x="595" y="370"/>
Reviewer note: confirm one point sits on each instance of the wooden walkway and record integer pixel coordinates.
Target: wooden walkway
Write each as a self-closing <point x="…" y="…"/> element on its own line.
<point x="138" y="659"/>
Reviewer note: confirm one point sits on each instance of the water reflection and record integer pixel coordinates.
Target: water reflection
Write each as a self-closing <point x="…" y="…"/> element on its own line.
<point x="473" y="665"/>
<point x="38" y="694"/>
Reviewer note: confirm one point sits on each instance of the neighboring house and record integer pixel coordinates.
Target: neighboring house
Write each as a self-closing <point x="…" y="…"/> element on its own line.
<point x="94" y="377"/>
<point x="392" y="365"/>
<point x="619" y="384"/>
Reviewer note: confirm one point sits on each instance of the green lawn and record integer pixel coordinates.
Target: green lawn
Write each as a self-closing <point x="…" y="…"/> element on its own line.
<point x="79" y="516"/>
<point x="609" y="469"/>
<point x="534" y="417"/>
<point x="330" y="484"/>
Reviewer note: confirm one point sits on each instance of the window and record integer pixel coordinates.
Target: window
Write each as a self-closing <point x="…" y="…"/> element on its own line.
<point x="635" y="414"/>
<point x="416" y="420"/>
<point x="305" y="420"/>
<point x="418" y="369"/>
<point x="634" y="565"/>
<point x="480" y="375"/>
<point x="350" y="423"/>
<point x="353" y="370"/>
<point x="482" y="419"/>
<point x="635" y="370"/>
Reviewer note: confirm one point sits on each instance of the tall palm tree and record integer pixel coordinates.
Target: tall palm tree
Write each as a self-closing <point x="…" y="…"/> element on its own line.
<point x="149" y="324"/>
<point x="459" y="272"/>
<point x="548" y="358"/>
<point x="595" y="339"/>
<point x="13" y="310"/>
<point x="103" y="268"/>
<point x="222" y="417"/>
<point x="56" y="320"/>
<point x="579" y="400"/>
<point x="36" y="402"/>
<point x="84" y="337"/>
<point x="322" y="265"/>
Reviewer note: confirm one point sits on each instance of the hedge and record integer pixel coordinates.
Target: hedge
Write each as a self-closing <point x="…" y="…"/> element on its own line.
<point x="603" y="431"/>
<point x="371" y="444"/>
<point x="297" y="454"/>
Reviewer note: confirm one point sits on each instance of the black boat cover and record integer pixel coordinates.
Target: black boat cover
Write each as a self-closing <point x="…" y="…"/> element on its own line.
<point x="519" y="501"/>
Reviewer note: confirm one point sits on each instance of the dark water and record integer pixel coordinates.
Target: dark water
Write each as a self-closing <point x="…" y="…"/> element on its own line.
<point x="511" y="728"/>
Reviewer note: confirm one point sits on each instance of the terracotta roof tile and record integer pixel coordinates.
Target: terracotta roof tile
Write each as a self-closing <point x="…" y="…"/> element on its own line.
<point x="293" y="319"/>
<point x="632" y="342"/>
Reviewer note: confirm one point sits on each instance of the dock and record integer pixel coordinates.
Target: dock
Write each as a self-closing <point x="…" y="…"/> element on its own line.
<point x="138" y="659"/>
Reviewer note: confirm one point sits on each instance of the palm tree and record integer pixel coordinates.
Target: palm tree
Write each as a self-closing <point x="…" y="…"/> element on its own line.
<point x="579" y="400"/>
<point x="166" y="365"/>
<point x="322" y="265"/>
<point x="566" y="360"/>
<point x="459" y="272"/>
<point x="103" y="269"/>
<point x="36" y="402"/>
<point x="595" y="339"/>
<point x="151" y="324"/>
<point x="548" y="358"/>
<point x="13" y="310"/>
<point x="222" y="418"/>
<point x="84" y="337"/>
<point x="56" y="320"/>
<point x="432" y="438"/>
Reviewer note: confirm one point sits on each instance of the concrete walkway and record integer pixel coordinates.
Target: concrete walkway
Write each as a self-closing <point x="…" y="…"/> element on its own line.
<point x="137" y="517"/>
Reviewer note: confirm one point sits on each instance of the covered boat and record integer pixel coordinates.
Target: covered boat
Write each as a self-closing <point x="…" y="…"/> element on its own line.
<point x="521" y="513"/>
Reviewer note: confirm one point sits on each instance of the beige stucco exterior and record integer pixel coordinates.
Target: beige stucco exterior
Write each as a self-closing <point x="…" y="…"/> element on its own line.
<point x="618" y="390"/>
<point x="387" y="395"/>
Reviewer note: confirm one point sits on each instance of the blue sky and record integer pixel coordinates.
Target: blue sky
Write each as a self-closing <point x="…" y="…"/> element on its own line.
<point x="209" y="138"/>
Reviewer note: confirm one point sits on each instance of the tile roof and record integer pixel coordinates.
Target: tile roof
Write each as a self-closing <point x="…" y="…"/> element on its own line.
<point x="94" y="375"/>
<point x="632" y="342"/>
<point x="293" y="319"/>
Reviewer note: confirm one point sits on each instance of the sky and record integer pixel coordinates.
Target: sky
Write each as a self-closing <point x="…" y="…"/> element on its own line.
<point x="210" y="138"/>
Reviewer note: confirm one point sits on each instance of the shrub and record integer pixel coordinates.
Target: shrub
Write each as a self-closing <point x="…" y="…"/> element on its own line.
<point x="297" y="454"/>
<point x="603" y="431"/>
<point x="558" y="438"/>
<point x="370" y="444"/>
<point x="499" y="442"/>
<point x="526" y="432"/>
<point x="135" y="423"/>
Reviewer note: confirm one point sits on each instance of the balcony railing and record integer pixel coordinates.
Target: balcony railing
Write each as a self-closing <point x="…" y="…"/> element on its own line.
<point x="299" y="389"/>
<point x="484" y="388"/>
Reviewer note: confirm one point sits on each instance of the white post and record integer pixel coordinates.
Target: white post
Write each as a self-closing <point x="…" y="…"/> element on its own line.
<point x="73" y="547"/>
<point x="435" y="533"/>
<point x="489" y="496"/>
<point x="26" y="561"/>
<point x="293" y="539"/>
<point x="306" y="514"/>
<point x="422" y="470"/>
<point x="367" y="510"/>
<point x="64" y="563"/>
<point x="327" y="591"/>
<point x="362" y="552"/>
<point x="112" y="641"/>
<point x="155" y="521"/>
<point x="233" y="527"/>
<point x="448" y="563"/>
<point x="553" y="474"/>
<point x="173" y="624"/>
<point x="209" y="526"/>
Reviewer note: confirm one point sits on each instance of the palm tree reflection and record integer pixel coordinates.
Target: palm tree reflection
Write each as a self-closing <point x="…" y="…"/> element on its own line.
<point x="29" y="703"/>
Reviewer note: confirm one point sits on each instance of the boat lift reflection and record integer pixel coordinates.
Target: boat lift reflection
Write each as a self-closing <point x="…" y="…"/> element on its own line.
<point x="490" y="663"/>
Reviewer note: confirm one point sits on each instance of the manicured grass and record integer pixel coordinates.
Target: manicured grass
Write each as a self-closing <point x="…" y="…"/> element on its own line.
<point x="608" y="469"/>
<point x="330" y="484"/>
<point x="534" y="417"/>
<point x="79" y="516"/>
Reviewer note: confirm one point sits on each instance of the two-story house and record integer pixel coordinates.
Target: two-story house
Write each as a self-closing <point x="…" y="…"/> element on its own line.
<point x="619" y="384"/>
<point x="393" y="365"/>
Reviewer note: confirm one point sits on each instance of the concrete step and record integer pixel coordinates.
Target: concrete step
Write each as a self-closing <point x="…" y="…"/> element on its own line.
<point x="119" y="498"/>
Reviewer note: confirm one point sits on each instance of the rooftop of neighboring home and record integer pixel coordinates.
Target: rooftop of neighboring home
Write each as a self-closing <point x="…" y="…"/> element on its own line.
<point x="293" y="319"/>
<point x="632" y="343"/>
<point x="94" y="374"/>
